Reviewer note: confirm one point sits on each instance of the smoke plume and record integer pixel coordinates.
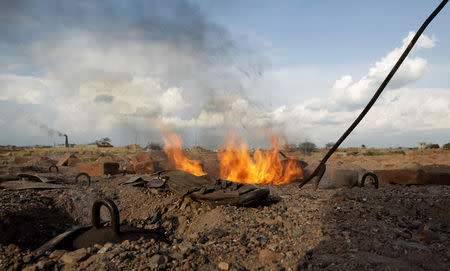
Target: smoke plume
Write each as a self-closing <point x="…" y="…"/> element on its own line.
<point x="114" y="66"/>
<point x="44" y="128"/>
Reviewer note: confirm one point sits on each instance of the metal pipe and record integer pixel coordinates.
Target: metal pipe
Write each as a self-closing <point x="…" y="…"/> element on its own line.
<point x="320" y="170"/>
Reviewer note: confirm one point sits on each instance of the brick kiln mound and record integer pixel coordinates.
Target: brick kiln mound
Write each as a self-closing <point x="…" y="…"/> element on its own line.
<point x="396" y="227"/>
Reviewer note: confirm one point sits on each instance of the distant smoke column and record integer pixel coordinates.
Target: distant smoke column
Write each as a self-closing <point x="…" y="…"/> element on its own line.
<point x="67" y="141"/>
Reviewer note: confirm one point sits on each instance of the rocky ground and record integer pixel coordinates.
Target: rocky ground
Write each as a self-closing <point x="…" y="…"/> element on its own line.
<point x="395" y="227"/>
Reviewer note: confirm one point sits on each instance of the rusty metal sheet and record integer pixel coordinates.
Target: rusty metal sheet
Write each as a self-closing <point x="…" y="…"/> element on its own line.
<point x="58" y="240"/>
<point x="6" y="178"/>
<point x="134" y="180"/>
<point x="22" y="185"/>
<point x="155" y="183"/>
<point x="35" y="178"/>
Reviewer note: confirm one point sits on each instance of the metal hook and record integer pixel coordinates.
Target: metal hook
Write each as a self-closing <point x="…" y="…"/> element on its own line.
<point x="113" y="213"/>
<point x="53" y="166"/>
<point x="87" y="176"/>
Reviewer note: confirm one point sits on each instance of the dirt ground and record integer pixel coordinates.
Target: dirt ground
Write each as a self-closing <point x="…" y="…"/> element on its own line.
<point x="395" y="227"/>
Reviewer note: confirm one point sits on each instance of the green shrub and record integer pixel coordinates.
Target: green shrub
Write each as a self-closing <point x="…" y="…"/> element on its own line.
<point x="432" y="146"/>
<point x="307" y="147"/>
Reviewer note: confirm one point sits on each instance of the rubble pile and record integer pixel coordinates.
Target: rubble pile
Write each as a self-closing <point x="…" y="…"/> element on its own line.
<point x="395" y="227"/>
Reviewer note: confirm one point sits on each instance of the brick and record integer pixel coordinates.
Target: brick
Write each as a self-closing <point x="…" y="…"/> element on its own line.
<point x="436" y="175"/>
<point x="22" y="160"/>
<point x="64" y="160"/>
<point x="93" y="169"/>
<point x="98" y="168"/>
<point x="110" y="168"/>
<point x="141" y="157"/>
<point x="142" y="163"/>
<point x="73" y="161"/>
<point x="419" y="175"/>
<point x="144" y="167"/>
<point x="399" y="176"/>
<point x="343" y="177"/>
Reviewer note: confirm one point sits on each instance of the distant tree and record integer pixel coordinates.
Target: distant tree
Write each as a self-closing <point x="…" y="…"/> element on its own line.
<point x="154" y="146"/>
<point x="446" y="146"/>
<point x="307" y="147"/>
<point x="105" y="139"/>
<point x="329" y="145"/>
<point x="289" y="147"/>
<point x="198" y="149"/>
<point x="363" y="146"/>
<point x="432" y="146"/>
<point x="104" y="142"/>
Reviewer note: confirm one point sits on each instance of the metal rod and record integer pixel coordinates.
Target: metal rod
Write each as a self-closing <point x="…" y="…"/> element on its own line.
<point x="319" y="171"/>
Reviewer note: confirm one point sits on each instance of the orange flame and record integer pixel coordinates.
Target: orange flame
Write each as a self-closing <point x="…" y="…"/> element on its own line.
<point x="265" y="167"/>
<point x="172" y="148"/>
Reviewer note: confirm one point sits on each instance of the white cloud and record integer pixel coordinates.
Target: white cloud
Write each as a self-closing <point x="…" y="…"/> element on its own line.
<point x="343" y="83"/>
<point x="210" y="119"/>
<point x="136" y="91"/>
<point x="399" y="109"/>
<point x="204" y="120"/>
<point x="23" y="89"/>
<point x="351" y="95"/>
<point x="411" y="109"/>
<point x="172" y="100"/>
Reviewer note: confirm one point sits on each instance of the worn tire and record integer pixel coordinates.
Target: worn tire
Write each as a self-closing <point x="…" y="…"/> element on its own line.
<point x="371" y="175"/>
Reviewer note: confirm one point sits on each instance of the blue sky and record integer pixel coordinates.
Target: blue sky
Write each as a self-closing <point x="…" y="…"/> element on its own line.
<point x="336" y="37"/>
<point x="300" y="69"/>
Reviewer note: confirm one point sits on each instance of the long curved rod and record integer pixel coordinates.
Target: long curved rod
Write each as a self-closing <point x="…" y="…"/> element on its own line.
<point x="320" y="170"/>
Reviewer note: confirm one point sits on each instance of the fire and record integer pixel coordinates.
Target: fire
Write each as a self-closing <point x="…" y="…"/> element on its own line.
<point x="265" y="167"/>
<point x="172" y="148"/>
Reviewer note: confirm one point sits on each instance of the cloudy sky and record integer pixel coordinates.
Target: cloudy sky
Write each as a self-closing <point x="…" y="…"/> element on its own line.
<point x="299" y="69"/>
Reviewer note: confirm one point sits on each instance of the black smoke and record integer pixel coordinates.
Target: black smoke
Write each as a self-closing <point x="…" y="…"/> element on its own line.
<point x="45" y="128"/>
<point x="173" y="42"/>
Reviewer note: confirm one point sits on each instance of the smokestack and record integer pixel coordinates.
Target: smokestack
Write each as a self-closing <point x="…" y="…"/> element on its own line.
<point x="67" y="141"/>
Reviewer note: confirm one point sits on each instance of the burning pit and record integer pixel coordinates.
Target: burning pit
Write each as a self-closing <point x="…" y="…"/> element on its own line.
<point x="266" y="167"/>
<point x="236" y="162"/>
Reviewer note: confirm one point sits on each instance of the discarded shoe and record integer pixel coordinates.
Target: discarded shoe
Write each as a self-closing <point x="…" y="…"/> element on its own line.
<point x="216" y="191"/>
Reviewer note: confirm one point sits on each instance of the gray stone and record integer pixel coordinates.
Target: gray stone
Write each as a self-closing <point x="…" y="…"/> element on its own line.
<point x="155" y="261"/>
<point x="413" y="245"/>
<point x="27" y="258"/>
<point x="105" y="248"/>
<point x="74" y="256"/>
<point x="223" y="266"/>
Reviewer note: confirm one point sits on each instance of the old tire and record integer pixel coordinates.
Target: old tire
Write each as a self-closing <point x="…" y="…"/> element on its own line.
<point x="372" y="177"/>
